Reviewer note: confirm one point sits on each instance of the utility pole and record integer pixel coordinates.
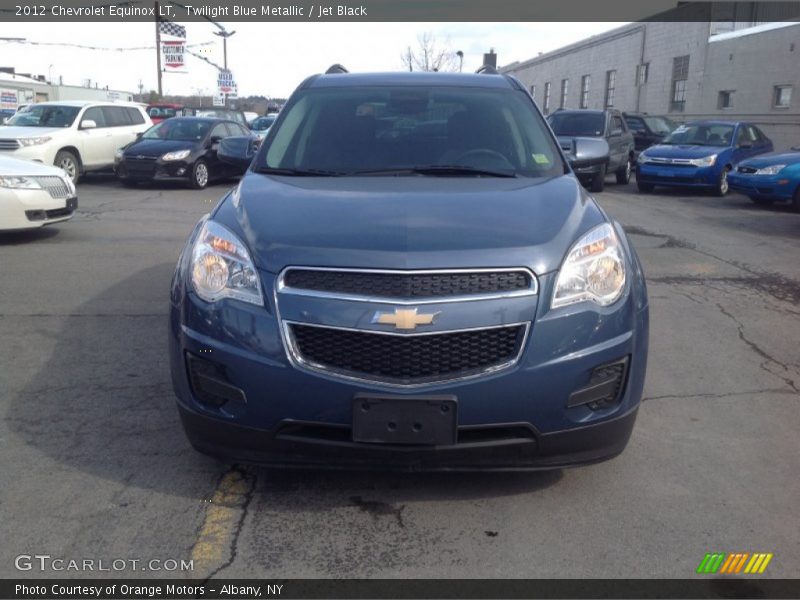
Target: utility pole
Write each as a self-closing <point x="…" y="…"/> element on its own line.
<point x="158" y="52"/>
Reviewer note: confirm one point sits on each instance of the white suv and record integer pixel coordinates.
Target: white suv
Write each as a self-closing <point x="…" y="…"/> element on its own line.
<point x="77" y="136"/>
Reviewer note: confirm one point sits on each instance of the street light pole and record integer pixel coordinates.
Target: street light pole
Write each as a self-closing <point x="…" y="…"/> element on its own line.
<point x="158" y="50"/>
<point x="224" y="34"/>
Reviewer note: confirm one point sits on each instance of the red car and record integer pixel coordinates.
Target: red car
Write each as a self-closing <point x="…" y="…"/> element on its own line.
<point x="160" y="112"/>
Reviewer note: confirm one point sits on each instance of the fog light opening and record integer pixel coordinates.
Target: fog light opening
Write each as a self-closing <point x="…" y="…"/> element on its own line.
<point x="606" y="386"/>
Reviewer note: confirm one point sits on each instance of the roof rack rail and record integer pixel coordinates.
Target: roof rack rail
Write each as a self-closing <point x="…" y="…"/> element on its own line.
<point x="337" y="68"/>
<point x="487" y="70"/>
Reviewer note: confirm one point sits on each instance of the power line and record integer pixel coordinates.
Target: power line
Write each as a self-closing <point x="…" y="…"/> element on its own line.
<point x="103" y="48"/>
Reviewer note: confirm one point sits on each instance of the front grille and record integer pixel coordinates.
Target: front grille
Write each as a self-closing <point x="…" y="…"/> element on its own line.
<point x="409" y="285"/>
<point x="747" y="170"/>
<point x="55" y="186"/>
<point x="9" y="144"/>
<point x="406" y="359"/>
<point x="140" y="166"/>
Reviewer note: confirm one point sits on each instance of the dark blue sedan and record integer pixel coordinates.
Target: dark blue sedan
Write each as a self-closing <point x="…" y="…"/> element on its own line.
<point x="700" y="154"/>
<point x="769" y="178"/>
<point x="408" y="276"/>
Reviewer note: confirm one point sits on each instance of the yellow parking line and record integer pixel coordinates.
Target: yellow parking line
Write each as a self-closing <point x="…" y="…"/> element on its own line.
<point x="764" y="564"/>
<point x="223" y="515"/>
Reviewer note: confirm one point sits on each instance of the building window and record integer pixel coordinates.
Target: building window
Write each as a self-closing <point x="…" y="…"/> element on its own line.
<point x="611" y="84"/>
<point x="782" y="96"/>
<point x="564" y="91"/>
<point x="680" y="75"/>
<point x="533" y="92"/>
<point x="725" y="99"/>
<point x="546" y="105"/>
<point x="585" y="81"/>
<point x="642" y="71"/>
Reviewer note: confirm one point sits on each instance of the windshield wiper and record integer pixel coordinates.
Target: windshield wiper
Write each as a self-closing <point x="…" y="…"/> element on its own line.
<point x="299" y="172"/>
<point x="438" y="170"/>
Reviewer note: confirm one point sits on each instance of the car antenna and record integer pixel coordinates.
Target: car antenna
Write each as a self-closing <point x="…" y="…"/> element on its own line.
<point x="337" y="68"/>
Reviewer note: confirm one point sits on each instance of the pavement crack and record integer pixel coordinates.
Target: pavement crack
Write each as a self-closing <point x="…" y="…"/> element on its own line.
<point x="768" y="358"/>
<point x="718" y="395"/>
<point x="217" y="544"/>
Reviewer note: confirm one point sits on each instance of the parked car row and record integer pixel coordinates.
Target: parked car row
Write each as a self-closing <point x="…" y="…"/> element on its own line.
<point x="712" y="155"/>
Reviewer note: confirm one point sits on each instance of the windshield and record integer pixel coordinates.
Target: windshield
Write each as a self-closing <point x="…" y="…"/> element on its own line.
<point x="162" y="112"/>
<point x="188" y="130"/>
<point x="263" y="123"/>
<point x="424" y="130"/>
<point x="579" y="124"/>
<point x="659" y="125"/>
<point x="45" y="116"/>
<point x="701" y="134"/>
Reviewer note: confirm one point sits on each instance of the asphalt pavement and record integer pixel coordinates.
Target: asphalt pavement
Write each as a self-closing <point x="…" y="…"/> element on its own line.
<point x="95" y="465"/>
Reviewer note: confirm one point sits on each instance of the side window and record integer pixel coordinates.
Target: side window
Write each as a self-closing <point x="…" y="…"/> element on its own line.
<point x="115" y="116"/>
<point x="741" y="136"/>
<point x="636" y="124"/>
<point x="235" y="129"/>
<point x="95" y="114"/>
<point x="616" y="123"/>
<point x="135" y="115"/>
<point x="220" y="131"/>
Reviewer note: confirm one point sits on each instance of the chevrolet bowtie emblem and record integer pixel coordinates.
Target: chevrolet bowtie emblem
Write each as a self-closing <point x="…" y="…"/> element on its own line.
<point x="404" y="318"/>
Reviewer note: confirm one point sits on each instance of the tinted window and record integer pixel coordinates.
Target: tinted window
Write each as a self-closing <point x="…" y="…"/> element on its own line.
<point x="179" y="129"/>
<point x="116" y="116"/>
<point x="220" y="131"/>
<point x="263" y="123"/>
<point x="95" y="114"/>
<point x="701" y="134"/>
<point x="135" y="116"/>
<point x="382" y="128"/>
<point x="636" y="124"/>
<point x="589" y="124"/>
<point x="45" y="116"/>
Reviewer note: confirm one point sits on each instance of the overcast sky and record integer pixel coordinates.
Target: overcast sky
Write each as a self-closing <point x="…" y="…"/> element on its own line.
<point x="266" y="58"/>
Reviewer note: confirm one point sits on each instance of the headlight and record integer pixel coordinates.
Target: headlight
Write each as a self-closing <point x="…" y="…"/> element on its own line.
<point x="773" y="170"/>
<point x="642" y="157"/>
<point x="593" y="270"/>
<point x="33" y="141"/>
<point x="177" y="155"/>
<point x="19" y="183"/>
<point x="706" y="161"/>
<point x="222" y="267"/>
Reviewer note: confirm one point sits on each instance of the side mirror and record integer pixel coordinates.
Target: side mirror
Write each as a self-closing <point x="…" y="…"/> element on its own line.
<point x="139" y="135"/>
<point x="237" y="151"/>
<point x="88" y="124"/>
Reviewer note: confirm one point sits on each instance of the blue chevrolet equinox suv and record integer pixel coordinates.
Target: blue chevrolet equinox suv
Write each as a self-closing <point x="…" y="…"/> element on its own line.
<point x="409" y="276"/>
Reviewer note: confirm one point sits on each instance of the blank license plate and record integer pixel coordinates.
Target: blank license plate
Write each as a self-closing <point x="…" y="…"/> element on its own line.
<point x="428" y="421"/>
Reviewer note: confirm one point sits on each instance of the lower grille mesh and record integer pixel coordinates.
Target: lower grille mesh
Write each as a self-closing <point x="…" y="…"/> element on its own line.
<point x="407" y="359"/>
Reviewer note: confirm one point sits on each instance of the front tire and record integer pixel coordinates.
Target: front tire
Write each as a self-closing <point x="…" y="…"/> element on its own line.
<point x="69" y="163"/>
<point x="624" y="174"/>
<point x="598" y="181"/>
<point x="722" y="185"/>
<point x="199" y="178"/>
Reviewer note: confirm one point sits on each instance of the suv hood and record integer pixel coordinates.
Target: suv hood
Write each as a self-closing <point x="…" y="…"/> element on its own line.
<point x="23" y="132"/>
<point x="408" y="222"/>
<point x="683" y="151"/>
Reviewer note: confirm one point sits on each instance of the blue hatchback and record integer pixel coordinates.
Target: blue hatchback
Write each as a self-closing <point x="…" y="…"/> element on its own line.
<point x="769" y="178"/>
<point x="700" y="154"/>
<point x="408" y="276"/>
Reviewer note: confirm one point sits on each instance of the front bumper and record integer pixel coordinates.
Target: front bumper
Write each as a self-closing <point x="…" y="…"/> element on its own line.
<point x="515" y="418"/>
<point x="153" y="170"/>
<point x="585" y="168"/>
<point x="773" y="187"/>
<point x="31" y="209"/>
<point x="41" y="153"/>
<point x="677" y="176"/>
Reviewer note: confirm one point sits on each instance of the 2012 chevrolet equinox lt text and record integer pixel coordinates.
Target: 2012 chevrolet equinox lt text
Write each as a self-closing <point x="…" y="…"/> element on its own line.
<point x="409" y="276"/>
